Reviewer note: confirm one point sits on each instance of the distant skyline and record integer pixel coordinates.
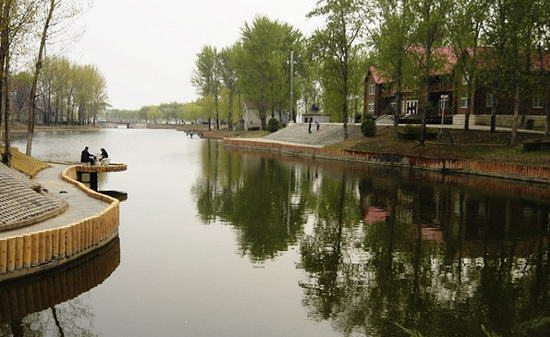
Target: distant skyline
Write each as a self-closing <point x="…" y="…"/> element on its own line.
<point x="146" y="49"/>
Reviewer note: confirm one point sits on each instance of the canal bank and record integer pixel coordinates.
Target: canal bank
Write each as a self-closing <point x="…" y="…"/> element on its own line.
<point x="87" y="222"/>
<point x="538" y="174"/>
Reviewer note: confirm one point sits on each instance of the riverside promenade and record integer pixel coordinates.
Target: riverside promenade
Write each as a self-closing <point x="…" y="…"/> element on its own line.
<point x="88" y="221"/>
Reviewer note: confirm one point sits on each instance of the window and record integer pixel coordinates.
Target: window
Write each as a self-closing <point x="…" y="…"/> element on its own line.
<point x="393" y="106"/>
<point x="490" y="100"/>
<point x="464" y="102"/>
<point x="538" y="102"/>
<point x="371" y="107"/>
<point x="372" y="89"/>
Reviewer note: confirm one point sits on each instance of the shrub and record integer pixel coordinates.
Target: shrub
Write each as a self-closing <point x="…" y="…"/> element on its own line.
<point x="273" y="125"/>
<point x="368" y="127"/>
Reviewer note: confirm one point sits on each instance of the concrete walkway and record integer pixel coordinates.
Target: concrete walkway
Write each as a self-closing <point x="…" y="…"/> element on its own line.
<point x="272" y="141"/>
<point x="461" y="127"/>
<point x="81" y="206"/>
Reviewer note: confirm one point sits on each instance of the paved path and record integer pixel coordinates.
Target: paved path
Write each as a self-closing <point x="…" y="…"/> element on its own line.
<point x="460" y="127"/>
<point x="81" y="206"/>
<point x="265" y="140"/>
<point x="328" y="134"/>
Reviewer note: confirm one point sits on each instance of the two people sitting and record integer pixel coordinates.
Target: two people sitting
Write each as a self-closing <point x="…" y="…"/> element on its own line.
<point x="87" y="158"/>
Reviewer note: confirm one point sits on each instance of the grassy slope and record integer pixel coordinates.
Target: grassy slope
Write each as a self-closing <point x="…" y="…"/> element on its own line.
<point x="26" y="164"/>
<point x="473" y="145"/>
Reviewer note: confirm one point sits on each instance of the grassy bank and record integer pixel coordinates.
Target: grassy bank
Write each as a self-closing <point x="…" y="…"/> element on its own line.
<point x="237" y="134"/>
<point x="23" y="129"/>
<point x="453" y="144"/>
<point x="24" y="163"/>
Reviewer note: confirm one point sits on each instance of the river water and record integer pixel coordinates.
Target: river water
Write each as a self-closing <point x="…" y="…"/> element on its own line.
<point x="217" y="242"/>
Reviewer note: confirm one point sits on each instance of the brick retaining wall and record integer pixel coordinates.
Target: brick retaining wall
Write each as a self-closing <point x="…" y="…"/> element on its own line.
<point x="485" y="168"/>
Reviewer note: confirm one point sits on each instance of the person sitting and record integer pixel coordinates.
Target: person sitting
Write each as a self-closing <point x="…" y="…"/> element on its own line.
<point x="86" y="157"/>
<point x="104" y="158"/>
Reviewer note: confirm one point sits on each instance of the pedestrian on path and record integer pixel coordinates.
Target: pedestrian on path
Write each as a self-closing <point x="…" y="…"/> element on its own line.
<point x="309" y="127"/>
<point x="318" y="125"/>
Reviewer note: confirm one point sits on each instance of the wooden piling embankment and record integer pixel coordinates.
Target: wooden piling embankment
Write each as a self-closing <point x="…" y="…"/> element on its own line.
<point x="35" y="252"/>
<point x="536" y="174"/>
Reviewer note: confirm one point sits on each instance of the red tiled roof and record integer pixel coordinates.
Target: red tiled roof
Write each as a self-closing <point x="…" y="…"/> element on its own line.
<point x="448" y="55"/>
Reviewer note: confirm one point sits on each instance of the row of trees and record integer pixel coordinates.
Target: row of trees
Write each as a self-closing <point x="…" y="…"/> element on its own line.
<point x="272" y="66"/>
<point x="67" y="93"/>
<point x="31" y="84"/>
<point x="495" y="43"/>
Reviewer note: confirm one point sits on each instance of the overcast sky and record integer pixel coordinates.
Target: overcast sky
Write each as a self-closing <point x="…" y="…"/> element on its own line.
<point x="146" y="48"/>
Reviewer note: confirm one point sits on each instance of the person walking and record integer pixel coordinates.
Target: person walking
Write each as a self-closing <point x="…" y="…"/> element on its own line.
<point x="309" y="127"/>
<point x="317" y="125"/>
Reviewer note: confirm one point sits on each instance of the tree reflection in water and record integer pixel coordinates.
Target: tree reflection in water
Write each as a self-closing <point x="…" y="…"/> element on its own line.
<point x="51" y="304"/>
<point x="441" y="254"/>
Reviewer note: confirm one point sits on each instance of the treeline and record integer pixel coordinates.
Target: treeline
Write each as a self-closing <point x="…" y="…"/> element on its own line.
<point x="501" y="44"/>
<point x="169" y="113"/>
<point x="270" y="68"/>
<point x="68" y="94"/>
<point x="34" y="88"/>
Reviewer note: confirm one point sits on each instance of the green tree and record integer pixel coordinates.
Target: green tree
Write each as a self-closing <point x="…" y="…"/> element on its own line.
<point x="228" y="74"/>
<point x="391" y="40"/>
<point x="262" y="64"/>
<point x="510" y="34"/>
<point x="467" y="19"/>
<point x="338" y="44"/>
<point x="206" y="78"/>
<point x="428" y="35"/>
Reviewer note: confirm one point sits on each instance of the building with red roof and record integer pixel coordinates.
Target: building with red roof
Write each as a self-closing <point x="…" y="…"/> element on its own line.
<point x="449" y="96"/>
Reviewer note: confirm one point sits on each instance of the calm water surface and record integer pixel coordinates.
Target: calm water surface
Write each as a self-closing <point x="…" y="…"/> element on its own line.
<point x="216" y="242"/>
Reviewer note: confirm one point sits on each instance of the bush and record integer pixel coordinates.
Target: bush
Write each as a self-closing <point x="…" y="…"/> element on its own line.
<point x="412" y="132"/>
<point x="536" y="145"/>
<point x="273" y="125"/>
<point x="368" y="127"/>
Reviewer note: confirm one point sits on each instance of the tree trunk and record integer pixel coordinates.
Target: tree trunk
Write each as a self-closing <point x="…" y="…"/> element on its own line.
<point x="514" y="137"/>
<point x="397" y="110"/>
<point x="345" y="105"/>
<point x="216" y="103"/>
<point x="547" y="114"/>
<point x="424" y="110"/>
<point x="471" y="108"/>
<point x="493" y="118"/>
<point x="37" y="69"/>
<point x="6" y="157"/>
<point x="4" y="66"/>
<point x="230" y="110"/>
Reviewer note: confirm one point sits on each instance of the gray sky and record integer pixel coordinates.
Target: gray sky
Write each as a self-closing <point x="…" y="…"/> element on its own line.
<point x="146" y="48"/>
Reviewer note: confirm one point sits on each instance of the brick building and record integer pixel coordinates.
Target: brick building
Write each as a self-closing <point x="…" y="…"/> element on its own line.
<point x="449" y="95"/>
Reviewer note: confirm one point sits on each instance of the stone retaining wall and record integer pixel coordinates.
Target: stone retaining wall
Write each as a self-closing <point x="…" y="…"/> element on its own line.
<point x="485" y="168"/>
<point x="30" y="253"/>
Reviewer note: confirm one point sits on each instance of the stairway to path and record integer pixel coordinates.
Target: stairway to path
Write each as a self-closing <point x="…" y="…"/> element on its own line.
<point x="328" y="134"/>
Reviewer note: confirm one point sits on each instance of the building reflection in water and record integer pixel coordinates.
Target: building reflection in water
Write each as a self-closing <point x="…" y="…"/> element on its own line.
<point x="47" y="304"/>
<point x="441" y="254"/>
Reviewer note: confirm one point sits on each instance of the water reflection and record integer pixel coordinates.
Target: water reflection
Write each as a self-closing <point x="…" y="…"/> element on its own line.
<point x="48" y="305"/>
<point x="442" y="254"/>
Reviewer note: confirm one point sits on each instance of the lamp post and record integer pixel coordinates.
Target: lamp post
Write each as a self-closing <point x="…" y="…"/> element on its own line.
<point x="444" y="100"/>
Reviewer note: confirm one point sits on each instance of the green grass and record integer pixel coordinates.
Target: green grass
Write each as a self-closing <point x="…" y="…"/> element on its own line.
<point x="466" y="145"/>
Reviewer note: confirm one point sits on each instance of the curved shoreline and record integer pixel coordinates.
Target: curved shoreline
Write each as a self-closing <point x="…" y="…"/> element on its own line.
<point x="534" y="174"/>
<point x="38" y="251"/>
